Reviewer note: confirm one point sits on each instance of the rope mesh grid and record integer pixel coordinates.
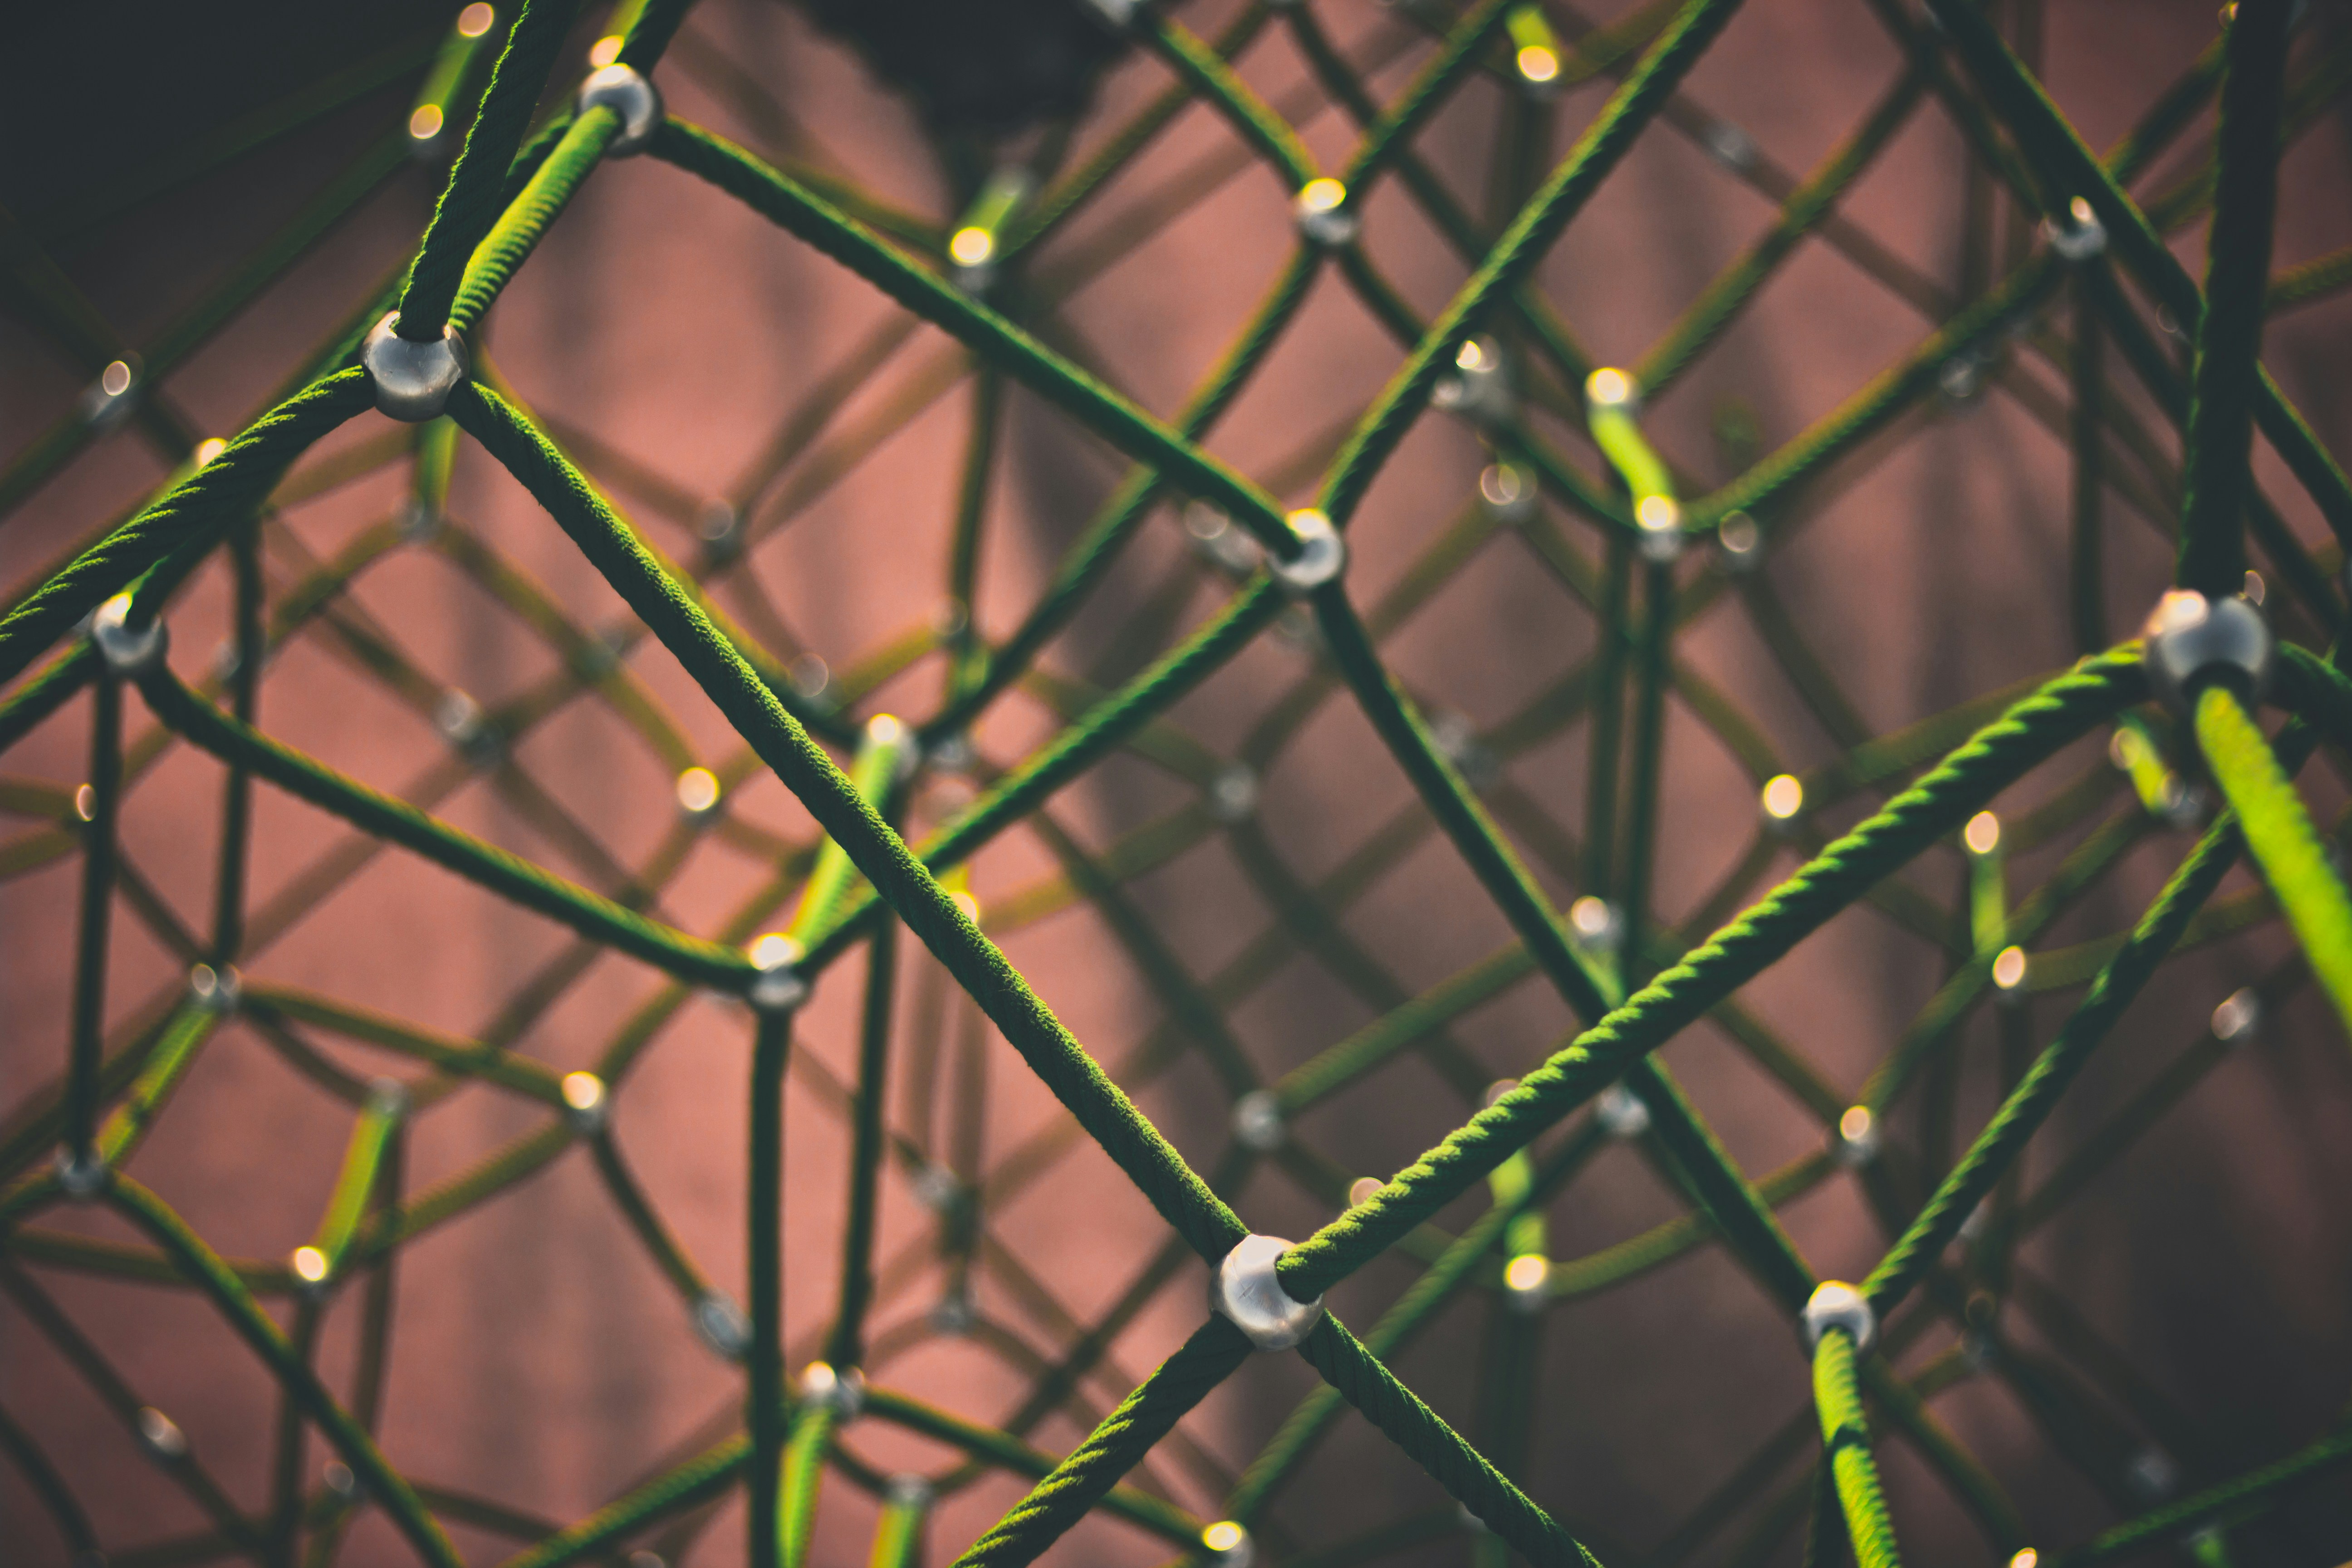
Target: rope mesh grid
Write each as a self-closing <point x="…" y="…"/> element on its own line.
<point x="897" y="809"/>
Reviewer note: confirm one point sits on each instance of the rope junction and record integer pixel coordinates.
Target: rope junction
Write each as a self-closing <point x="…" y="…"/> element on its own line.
<point x="1656" y="558"/>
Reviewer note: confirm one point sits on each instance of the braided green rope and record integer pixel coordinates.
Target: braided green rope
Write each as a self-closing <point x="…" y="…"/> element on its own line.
<point x="2045" y="137"/>
<point x="1142" y="1418"/>
<point x="522" y="222"/>
<point x="765" y="1411"/>
<point x="2253" y="1487"/>
<point x="1845" y="1435"/>
<point x="1966" y="1185"/>
<point x="472" y="201"/>
<point x="1196" y="1213"/>
<point x="201" y="1264"/>
<point x="1249" y="114"/>
<point x="774" y="195"/>
<point x="2215" y="477"/>
<point x="1936" y="805"/>
<point x="2281" y="838"/>
<point x="1522" y="246"/>
<point x="196" y="511"/>
<point x="508" y="874"/>
<point x="812" y="1426"/>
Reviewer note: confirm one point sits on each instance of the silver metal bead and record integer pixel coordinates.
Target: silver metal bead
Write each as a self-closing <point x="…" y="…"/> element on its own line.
<point x="1596" y="926"/>
<point x="1323" y="559"/>
<point x="1740" y="541"/>
<point x="2193" y="641"/>
<point x="586" y="1103"/>
<point x="1660" y="524"/>
<point x="1479" y="387"/>
<point x="1233" y="794"/>
<point x="1527" y="1282"/>
<point x="460" y="719"/>
<point x="1457" y="740"/>
<point x="1257" y="1121"/>
<point x="1120" y="14"/>
<point x="160" y="1435"/>
<point x="112" y="395"/>
<point x="1621" y="1112"/>
<point x="412" y="380"/>
<point x="1325" y="215"/>
<point x="842" y="1392"/>
<point x="2238" y="1017"/>
<point x="721" y="527"/>
<point x="935" y="1188"/>
<point x="624" y="90"/>
<point x="1509" y="493"/>
<point x="337" y="1477"/>
<point x="1216" y="537"/>
<point x="720" y="1325"/>
<point x="778" y="987"/>
<point x="2079" y="236"/>
<point x="954" y="1316"/>
<point x="1961" y="377"/>
<point x="1836" y="1304"/>
<point x="388" y="1097"/>
<point x="1732" y="146"/>
<point x="128" y="651"/>
<point x="81" y="1176"/>
<point x="215" y="990"/>
<point x="1229" y="1544"/>
<point x="1858" y="1138"/>
<point x="2153" y="1475"/>
<point x="950" y="754"/>
<point x="1245" y="1290"/>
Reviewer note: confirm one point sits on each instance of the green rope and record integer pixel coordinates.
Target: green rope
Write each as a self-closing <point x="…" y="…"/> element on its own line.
<point x="1214" y="1349"/>
<point x="812" y="1426"/>
<point x="523" y="222"/>
<point x="2216" y="476"/>
<point x="1180" y="1195"/>
<point x="2031" y="1102"/>
<point x="2281" y="838"/>
<point x="2070" y="166"/>
<point x="1845" y="1435"/>
<point x="264" y="1336"/>
<point x="776" y="197"/>
<point x="472" y="201"/>
<point x="2254" y="1488"/>
<point x="506" y="874"/>
<point x="1522" y="246"/>
<point x="194" y="512"/>
<point x="1936" y="805"/>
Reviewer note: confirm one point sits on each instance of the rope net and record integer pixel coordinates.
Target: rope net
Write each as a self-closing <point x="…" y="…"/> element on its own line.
<point x="2075" y="311"/>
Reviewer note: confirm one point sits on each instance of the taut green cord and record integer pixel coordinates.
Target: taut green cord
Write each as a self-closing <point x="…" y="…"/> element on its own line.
<point x="2281" y="838"/>
<point x="778" y="198"/>
<point x="198" y="509"/>
<point x="201" y="1264"/>
<point x="471" y="204"/>
<point x="1125" y="1436"/>
<point x="2030" y="731"/>
<point x="1837" y="1392"/>
<point x="2216" y="476"/>
<point x="764" y="1405"/>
